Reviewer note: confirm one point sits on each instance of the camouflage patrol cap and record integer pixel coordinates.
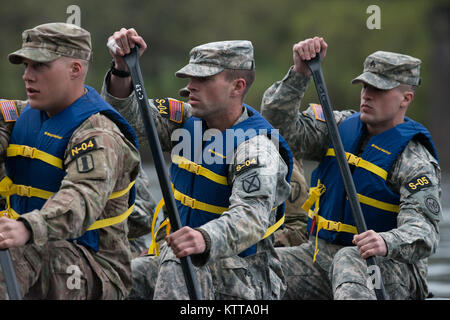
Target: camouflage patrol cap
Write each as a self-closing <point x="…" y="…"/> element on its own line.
<point x="211" y="58"/>
<point x="386" y="70"/>
<point x="50" y="41"/>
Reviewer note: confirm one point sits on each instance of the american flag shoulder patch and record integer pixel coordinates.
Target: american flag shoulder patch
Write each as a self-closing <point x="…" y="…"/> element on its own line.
<point x="318" y="112"/>
<point x="170" y="108"/>
<point x="9" y="110"/>
<point x="176" y="110"/>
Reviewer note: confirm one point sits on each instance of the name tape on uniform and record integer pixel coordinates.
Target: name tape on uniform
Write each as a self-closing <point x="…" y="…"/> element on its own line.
<point x="83" y="147"/>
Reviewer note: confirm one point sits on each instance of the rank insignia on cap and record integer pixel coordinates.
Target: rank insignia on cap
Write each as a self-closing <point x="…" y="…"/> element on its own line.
<point x="318" y="112"/>
<point x="9" y="110"/>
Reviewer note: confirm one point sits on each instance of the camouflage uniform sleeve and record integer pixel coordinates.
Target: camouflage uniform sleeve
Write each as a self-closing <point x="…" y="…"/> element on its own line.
<point x="129" y="109"/>
<point x="256" y="189"/>
<point x="305" y="132"/>
<point x="90" y="179"/>
<point x="416" y="177"/>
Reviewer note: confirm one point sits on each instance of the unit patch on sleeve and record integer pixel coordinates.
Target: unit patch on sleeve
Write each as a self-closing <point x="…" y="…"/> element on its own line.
<point x="9" y="110"/>
<point x="83" y="147"/>
<point x="246" y="165"/>
<point x="251" y="184"/>
<point x="318" y="112"/>
<point x="85" y="163"/>
<point x="170" y="108"/>
<point x="432" y="205"/>
<point x="418" y="183"/>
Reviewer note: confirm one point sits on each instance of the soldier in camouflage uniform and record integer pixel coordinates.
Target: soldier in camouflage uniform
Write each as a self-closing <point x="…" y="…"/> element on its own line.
<point x="68" y="170"/>
<point x="256" y="176"/>
<point x="336" y="267"/>
<point x="294" y="231"/>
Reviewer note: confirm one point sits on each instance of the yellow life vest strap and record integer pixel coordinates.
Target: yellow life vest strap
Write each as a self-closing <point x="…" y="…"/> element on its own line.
<point x="8" y="188"/>
<point x="14" y="150"/>
<point x="274" y="227"/>
<point x="195" y="204"/>
<point x="111" y="221"/>
<point x="154" y="246"/>
<point x="329" y="225"/>
<point x="314" y="197"/>
<point x="197" y="169"/>
<point x="96" y="225"/>
<point x="120" y="193"/>
<point x="360" y="162"/>
<point x="378" y="204"/>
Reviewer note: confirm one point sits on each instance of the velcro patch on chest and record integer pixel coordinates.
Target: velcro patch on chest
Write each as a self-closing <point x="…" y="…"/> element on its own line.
<point x="246" y="165"/>
<point x="83" y="147"/>
<point x="170" y="108"/>
<point x="418" y="183"/>
<point x="9" y="110"/>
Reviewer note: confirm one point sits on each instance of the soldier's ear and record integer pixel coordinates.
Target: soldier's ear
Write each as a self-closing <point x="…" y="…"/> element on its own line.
<point x="239" y="86"/>
<point x="408" y="97"/>
<point x="76" y="69"/>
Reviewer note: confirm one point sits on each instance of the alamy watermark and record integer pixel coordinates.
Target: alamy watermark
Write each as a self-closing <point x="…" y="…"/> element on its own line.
<point x="208" y="147"/>
<point x="74" y="17"/>
<point x="374" y="20"/>
<point x="374" y="280"/>
<point x="74" y="280"/>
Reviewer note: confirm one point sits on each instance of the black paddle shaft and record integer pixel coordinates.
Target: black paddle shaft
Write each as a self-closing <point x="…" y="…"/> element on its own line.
<point x="10" y="275"/>
<point x="132" y="60"/>
<point x="316" y="69"/>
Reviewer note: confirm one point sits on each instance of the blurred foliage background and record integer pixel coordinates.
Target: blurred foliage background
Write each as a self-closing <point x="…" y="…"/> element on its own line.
<point x="172" y="27"/>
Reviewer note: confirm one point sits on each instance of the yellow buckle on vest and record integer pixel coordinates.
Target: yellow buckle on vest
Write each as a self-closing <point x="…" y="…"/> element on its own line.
<point x="314" y="196"/>
<point x="333" y="226"/>
<point x="29" y="152"/>
<point x="24" y="191"/>
<point x="193" y="167"/>
<point x="353" y="160"/>
<point x="188" y="201"/>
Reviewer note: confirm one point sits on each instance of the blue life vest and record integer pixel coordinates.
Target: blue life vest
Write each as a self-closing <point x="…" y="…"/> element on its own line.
<point x="35" y="177"/>
<point x="380" y="205"/>
<point x="199" y="174"/>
